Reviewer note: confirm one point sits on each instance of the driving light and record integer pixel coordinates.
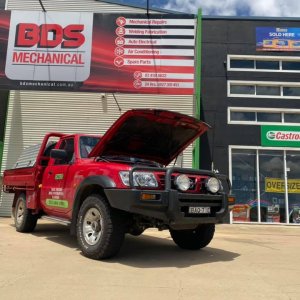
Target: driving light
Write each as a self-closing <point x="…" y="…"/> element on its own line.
<point x="182" y="182"/>
<point x="213" y="185"/>
<point x="142" y="179"/>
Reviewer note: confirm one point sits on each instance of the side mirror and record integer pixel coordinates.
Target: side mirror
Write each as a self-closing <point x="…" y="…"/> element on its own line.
<point x="58" y="154"/>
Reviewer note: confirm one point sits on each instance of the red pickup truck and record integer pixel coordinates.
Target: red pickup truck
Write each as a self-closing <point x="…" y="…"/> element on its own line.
<point x="105" y="187"/>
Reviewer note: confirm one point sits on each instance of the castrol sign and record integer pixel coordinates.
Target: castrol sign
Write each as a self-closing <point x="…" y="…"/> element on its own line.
<point x="291" y="136"/>
<point x="49" y="47"/>
<point x="282" y="136"/>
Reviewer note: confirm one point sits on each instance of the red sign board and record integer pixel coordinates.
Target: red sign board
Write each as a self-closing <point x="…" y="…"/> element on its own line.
<point x="128" y="53"/>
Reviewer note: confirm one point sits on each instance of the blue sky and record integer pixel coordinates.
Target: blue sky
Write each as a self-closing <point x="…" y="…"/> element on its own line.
<point x="269" y="8"/>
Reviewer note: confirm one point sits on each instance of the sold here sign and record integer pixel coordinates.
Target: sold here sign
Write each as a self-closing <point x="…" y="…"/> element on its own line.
<point x="280" y="136"/>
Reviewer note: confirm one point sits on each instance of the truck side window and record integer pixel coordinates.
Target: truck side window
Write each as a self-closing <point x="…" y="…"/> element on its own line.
<point x="68" y="146"/>
<point x="87" y="143"/>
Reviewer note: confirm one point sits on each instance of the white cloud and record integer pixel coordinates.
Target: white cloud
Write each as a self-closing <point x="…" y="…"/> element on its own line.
<point x="269" y="8"/>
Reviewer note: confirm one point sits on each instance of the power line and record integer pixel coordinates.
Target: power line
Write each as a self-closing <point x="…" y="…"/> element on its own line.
<point x="41" y="3"/>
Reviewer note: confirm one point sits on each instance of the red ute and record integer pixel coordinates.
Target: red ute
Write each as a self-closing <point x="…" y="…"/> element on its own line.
<point x="104" y="187"/>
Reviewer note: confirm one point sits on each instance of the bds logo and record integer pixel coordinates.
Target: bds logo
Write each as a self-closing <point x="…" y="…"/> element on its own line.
<point x="52" y="46"/>
<point x="271" y="135"/>
<point x="49" y="35"/>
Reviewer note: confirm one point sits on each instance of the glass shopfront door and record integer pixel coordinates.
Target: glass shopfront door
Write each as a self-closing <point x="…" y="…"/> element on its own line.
<point x="275" y="196"/>
<point x="272" y="187"/>
<point x="244" y="185"/>
<point x="293" y="182"/>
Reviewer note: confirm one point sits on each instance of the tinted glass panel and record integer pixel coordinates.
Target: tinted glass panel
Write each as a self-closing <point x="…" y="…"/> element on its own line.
<point x="268" y="65"/>
<point x="268" y="117"/>
<point x="272" y="188"/>
<point x="293" y="163"/>
<point x="244" y="185"/>
<point x="242" y="89"/>
<point x="242" y="64"/>
<point x="268" y="90"/>
<point x="87" y="143"/>
<point x="291" y="91"/>
<point x="242" y="116"/>
<point x="292" y="118"/>
<point x="290" y="65"/>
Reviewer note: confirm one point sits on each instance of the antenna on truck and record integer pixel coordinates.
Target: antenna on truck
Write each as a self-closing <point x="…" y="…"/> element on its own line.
<point x="119" y="107"/>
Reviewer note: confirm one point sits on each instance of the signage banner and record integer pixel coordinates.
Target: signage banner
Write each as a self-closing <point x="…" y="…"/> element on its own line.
<point x="276" y="185"/>
<point x="277" y="39"/>
<point x="280" y="136"/>
<point x="82" y="51"/>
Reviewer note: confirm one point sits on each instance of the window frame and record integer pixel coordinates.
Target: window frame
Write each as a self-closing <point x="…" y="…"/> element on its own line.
<point x="258" y="148"/>
<point x="283" y="111"/>
<point x="256" y="58"/>
<point x="279" y="84"/>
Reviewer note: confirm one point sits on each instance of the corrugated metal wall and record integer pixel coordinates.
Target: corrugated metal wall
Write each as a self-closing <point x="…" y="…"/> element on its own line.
<point x="32" y="114"/>
<point x="71" y="5"/>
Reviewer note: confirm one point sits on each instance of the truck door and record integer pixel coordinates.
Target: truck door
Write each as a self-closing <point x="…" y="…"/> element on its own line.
<point x="55" y="194"/>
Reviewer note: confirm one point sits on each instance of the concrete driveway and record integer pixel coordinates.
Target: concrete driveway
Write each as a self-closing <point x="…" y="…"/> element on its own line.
<point x="242" y="262"/>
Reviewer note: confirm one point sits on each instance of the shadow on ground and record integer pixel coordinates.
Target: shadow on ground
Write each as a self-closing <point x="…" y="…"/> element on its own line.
<point x="144" y="251"/>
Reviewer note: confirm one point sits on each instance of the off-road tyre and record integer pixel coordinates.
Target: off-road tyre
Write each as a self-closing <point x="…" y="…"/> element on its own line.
<point x="100" y="228"/>
<point x="25" y="221"/>
<point x="194" y="239"/>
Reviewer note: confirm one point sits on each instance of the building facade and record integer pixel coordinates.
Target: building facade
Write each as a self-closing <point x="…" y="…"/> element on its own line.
<point x="250" y="94"/>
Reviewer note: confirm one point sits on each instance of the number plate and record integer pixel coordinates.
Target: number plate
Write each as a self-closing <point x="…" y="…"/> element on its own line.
<point x="199" y="210"/>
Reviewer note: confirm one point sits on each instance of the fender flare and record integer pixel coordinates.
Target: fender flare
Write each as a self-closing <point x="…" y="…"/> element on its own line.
<point x="101" y="181"/>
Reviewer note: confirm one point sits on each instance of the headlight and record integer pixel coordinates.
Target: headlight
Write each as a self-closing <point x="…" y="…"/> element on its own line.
<point x="213" y="185"/>
<point x="143" y="179"/>
<point x="183" y="182"/>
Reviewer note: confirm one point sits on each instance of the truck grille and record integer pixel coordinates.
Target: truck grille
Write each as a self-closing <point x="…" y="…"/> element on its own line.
<point x="197" y="183"/>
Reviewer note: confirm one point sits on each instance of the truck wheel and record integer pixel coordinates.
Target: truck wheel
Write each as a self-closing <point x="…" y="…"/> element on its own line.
<point x="25" y="221"/>
<point x="100" y="228"/>
<point x="194" y="239"/>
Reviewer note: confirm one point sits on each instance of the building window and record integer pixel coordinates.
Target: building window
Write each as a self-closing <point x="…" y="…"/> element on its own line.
<point x="267" y="65"/>
<point x="242" y="64"/>
<point x="271" y="173"/>
<point x="291" y="91"/>
<point x="268" y="90"/>
<point x="259" y="63"/>
<point x="266" y="184"/>
<point x="258" y="115"/>
<point x="244" y="184"/>
<point x="242" y="89"/>
<point x="291" y="65"/>
<point x="263" y="89"/>
<point x="242" y="116"/>
<point x="292" y="118"/>
<point x="268" y="117"/>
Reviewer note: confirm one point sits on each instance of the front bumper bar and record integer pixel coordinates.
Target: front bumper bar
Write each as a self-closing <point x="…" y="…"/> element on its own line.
<point x="171" y="207"/>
